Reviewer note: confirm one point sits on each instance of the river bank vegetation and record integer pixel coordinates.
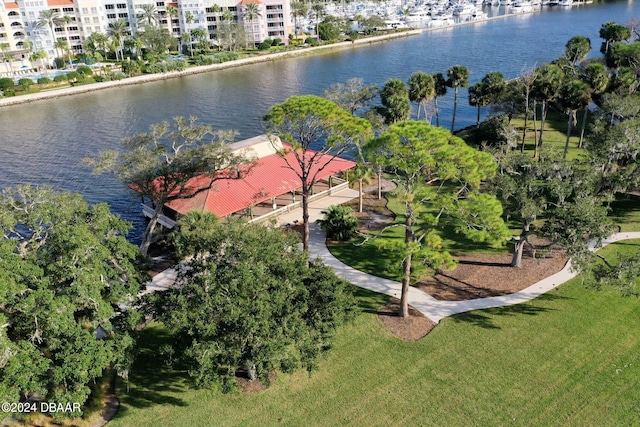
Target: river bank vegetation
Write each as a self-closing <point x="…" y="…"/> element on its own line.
<point x="556" y="161"/>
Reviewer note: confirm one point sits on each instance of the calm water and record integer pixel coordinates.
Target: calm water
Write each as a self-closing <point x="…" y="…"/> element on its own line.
<point x="44" y="142"/>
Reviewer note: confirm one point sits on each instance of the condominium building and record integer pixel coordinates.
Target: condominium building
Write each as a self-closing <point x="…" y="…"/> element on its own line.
<point x="22" y="28"/>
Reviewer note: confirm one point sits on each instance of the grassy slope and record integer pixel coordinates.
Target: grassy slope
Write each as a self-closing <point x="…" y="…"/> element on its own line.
<point x="567" y="358"/>
<point x="570" y="357"/>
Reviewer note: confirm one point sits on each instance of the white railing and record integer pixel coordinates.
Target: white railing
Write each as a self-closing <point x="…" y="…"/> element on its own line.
<point x="292" y="206"/>
<point x="162" y="219"/>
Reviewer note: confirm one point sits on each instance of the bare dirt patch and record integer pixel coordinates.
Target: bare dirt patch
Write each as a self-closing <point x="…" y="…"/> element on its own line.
<point x="248" y="386"/>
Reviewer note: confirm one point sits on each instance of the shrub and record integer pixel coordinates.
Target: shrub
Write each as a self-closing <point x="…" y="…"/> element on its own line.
<point x="203" y="60"/>
<point x="73" y="75"/>
<point x="84" y="70"/>
<point x="277" y="41"/>
<point x="221" y="57"/>
<point x="60" y="78"/>
<point x="60" y="62"/>
<point x="339" y="223"/>
<point x="25" y="84"/>
<point x="132" y="68"/>
<point x="6" y="83"/>
<point x="265" y="45"/>
<point x="311" y="41"/>
<point x="178" y="64"/>
<point x="44" y="80"/>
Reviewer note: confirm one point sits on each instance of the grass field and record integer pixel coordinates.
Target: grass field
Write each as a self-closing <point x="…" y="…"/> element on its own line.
<point x="568" y="358"/>
<point x="571" y="357"/>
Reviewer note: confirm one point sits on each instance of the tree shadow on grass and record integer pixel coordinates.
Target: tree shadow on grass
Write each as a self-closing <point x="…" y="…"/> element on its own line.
<point x="485" y="318"/>
<point x="369" y="301"/>
<point x="152" y="381"/>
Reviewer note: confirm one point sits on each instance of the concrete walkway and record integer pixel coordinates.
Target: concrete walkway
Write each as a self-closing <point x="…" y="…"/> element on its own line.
<point x="435" y="309"/>
<point x="432" y="308"/>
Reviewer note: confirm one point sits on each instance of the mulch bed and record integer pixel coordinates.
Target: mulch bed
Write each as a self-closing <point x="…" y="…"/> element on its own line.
<point x="475" y="276"/>
<point x="482" y="276"/>
<point x="410" y="328"/>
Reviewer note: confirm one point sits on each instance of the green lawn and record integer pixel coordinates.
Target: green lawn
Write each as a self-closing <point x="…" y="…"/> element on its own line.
<point x="571" y="357"/>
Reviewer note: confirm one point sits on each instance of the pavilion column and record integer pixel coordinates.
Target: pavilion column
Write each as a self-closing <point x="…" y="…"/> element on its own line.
<point x="330" y="181"/>
<point x="273" y="202"/>
<point x="293" y="196"/>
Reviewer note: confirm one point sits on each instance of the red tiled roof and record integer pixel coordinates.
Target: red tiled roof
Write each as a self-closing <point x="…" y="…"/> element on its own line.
<point x="270" y="177"/>
<point x="59" y="2"/>
<point x="246" y="2"/>
<point x="11" y="5"/>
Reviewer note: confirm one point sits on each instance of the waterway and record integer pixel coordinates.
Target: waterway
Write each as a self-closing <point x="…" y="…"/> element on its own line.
<point x="44" y="142"/>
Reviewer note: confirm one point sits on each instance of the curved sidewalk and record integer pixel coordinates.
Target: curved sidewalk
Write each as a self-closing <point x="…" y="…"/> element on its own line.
<point x="432" y="308"/>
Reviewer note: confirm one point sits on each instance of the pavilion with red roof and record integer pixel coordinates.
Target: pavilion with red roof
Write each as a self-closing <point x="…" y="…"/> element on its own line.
<point x="268" y="189"/>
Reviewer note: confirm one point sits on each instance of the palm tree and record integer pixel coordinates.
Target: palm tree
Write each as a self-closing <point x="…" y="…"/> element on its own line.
<point x="62" y="45"/>
<point x="186" y="37"/>
<point x="171" y="13"/>
<point x="251" y="12"/>
<point x="458" y="76"/>
<point x="200" y="36"/>
<point x="441" y="90"/>
<point x="298" y="10"/>
<point x="117" y="31"/>
<point x="478" y="98"/>
<point x="597" y="77"/>
<point x="100" y="42"/>
<point x="546" y="89"/>
<point x="362" y="175"/>
<point x="317" y="11"/>
<point x="38" y="56"/>
<point x="575" y="95"/>
<point x="421" y="89"/>
<point x="6" y="58"/>
<point x="148" y="14"/>
<point x="49" y="18"/>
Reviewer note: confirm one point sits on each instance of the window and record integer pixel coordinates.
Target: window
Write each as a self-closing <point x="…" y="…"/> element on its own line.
<point x="96" y="20"/>
<point x="211" y="19"/>
<point x="160" y="3"/>
<point x="73" y="28"/>
<point x="111" y="16"/>
<point x="212" y="27"/>
<point x="123" y="15"/>
<point x="67" y="9"/>
<point x="16" y="24"/>
<point x="233" y="9"/>
<point x="87" y="20"/>
<point x="109" y="6"/>
<point x="94" y="10"/>
<point x="74" y="37"/>
<point x="85" y="11"/>
<point x="58" y="30"/>
<point x="122" y="5"/>
<point x="13" y="13"/>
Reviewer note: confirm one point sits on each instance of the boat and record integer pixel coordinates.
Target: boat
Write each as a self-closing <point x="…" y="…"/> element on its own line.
<point x="464" y="9"/>
<point x="396" y="23"/>
<point x="521" y="7"/>
<point x="477" y="16"/>
<point x="418" y="17"/>
<point x="565" y="3"/>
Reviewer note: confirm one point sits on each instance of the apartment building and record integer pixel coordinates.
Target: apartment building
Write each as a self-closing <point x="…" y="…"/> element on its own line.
<point x="21" y="26"/>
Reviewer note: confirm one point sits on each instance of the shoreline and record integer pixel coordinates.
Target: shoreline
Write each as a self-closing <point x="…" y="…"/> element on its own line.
<point x="146" y="78"/>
